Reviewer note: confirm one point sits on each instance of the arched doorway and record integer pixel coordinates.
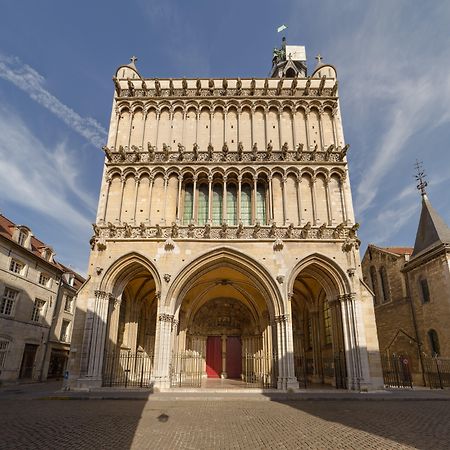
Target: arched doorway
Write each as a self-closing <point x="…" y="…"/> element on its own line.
<point x="319" y="351"/>
<point x="224" y="326"/>
<point x="129" y="349"/>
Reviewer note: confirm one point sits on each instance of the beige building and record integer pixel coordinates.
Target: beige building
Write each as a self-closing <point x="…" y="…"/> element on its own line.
<point x="411" y="289"/>
<point x="37" y="306"/>
<point x="225" y="241"/>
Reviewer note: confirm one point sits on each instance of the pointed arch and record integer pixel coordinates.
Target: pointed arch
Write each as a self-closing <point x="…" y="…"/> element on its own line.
<point x="219" y="257"/>
<point x="125" y="269"/>
<point x="325" y="271"/>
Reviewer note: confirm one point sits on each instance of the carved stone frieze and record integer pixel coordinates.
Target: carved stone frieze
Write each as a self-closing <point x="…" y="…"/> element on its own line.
<point x="265" y="232"/>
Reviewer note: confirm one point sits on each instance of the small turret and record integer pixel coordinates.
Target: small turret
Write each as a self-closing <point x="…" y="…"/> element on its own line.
<point x="289" y="61"/>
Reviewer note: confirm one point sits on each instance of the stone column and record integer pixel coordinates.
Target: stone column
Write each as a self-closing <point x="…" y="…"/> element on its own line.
<point x="254" y="209"/>
<point x="270" y="199"/>
<point x="210" y="179"/>
<point x="280" y="134"/>
<point x="197" y="115"/>
<point x="122" y="187"/>
<point x="171" y="129"/>
<point x="150" y="193"/>
<point x="286" y="376"/>
<point x="224" y="357"/>
<point x="163" y="350"/>
<point x="194" y="199"/>
<point x="166" y="182"/>
<point x="129" y="128"/>
<point x="317" y="350"/>
<point x="239" y="198"/>
<point x="136" y="190"/>
<point x="157" y="129"/>
<point x="144" y="119"/>
<point x="180" y="188"/>
<point x="351" y="350"/>
<point x="95" y="332"/>
<point x="333" y="121"/>
<point x="299" y="199"/>
<point x="224" y="203"/>
<point x="283" y="194"/>
<point x="294" y="133"/>
<point x="322" y="143"/>
<point x="314" y="199"/>
<point x="329" y="206"/>
<point x="108" y="181"/>
<point x="308" y="140"/>
<point x="337" y="337"/>
<point x="344" y="200"/>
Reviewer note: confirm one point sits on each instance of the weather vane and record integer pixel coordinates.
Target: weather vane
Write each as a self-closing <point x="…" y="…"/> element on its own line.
<point x="420" y="177"/>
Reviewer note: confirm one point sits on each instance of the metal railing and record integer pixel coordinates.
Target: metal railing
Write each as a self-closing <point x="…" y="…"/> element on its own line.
<point x="437" y="372"/>
<point x="396" y="371"/>
<point x="127" y="369"/>
<point x="186" y="369"/>
<point x="260" y="370"/>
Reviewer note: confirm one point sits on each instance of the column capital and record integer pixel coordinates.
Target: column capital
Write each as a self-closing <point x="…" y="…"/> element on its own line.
<point x="165" y="318"/>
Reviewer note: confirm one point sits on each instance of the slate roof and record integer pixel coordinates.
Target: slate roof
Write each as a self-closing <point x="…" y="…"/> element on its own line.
<point x="432" y="230"/>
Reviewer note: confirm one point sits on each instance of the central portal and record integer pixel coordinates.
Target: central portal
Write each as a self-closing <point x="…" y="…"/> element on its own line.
<point x="224" y="357"/>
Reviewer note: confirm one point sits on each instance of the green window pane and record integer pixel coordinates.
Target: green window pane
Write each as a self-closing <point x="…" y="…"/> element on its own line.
<point x="261" y="214"/>
<point x="202" y="204"/>
<point x="232" y="204"/>
<point x="246" y="204"/>
<point x="217" y="204"/>
<point x="188" y="203"/>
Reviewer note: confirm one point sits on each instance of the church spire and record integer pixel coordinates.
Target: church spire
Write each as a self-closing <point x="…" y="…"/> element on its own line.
<point x="432" y="230"/>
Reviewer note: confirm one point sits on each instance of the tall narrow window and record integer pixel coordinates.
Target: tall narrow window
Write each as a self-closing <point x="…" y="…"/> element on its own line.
<point x="65" y="331"/>
<point x="384" y="285"/>
<point x="7" y="302"/>
<point x="4" y="346"/>
<point x="327" y="322"/>
<point x="38" y="310"/>
<point x="434" y="342"/>
<point x="246" y="204"/>
<point x="374" y="280"/>
<point x="202" y="204"/>
<point x="217" y="204"/>
<point x="232" y="204"/>
<point x="261" y="215"/>
<point x="188" y="203"/>
<point x="425" y="290"/>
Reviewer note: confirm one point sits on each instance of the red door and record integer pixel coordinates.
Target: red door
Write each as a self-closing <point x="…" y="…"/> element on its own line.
<point x="234" y="357"/>
<point x="213" y="356"/>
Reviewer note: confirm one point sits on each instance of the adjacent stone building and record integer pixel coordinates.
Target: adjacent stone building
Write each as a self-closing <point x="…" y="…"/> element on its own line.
<point x="411" y="289"/>
<point x="37" y="306"/>
<point x="225" y="241"/>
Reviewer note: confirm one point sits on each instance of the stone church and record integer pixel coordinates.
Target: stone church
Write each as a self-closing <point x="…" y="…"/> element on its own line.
<point x="225" y="243"/>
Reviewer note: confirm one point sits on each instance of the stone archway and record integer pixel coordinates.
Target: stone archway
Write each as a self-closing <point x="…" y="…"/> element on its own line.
<point x="320" y="358"/>
<point x="227" y="298"/>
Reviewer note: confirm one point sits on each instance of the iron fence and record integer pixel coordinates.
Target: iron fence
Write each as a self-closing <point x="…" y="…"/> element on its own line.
<point x="260" y="370"/>
<point x="332" y="368"/>
<point x="186" y="369"/>
<point x="127" y="369"/>
<point x="396" y="371"/>
<point x="437" y="372"/>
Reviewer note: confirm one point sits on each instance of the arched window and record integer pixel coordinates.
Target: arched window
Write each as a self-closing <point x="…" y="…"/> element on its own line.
<point x="217" y="204"/>
<point x="232" y="204"/>
<point x="384" y="285"/>
<point x="434" y="342"/>
<point x="261" y="215"/>
<point x="188" y="203"/>
<point x="374" y="280"/>
<point x="4" y="347"/>
<point x="327" y="322"/>
<point x="425" y="290"/>
<point x="202" y="204"/>
<point x="246" y="204"/>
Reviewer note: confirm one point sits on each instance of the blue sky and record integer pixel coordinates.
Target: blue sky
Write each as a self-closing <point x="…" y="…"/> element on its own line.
<point x="57" y="60"/>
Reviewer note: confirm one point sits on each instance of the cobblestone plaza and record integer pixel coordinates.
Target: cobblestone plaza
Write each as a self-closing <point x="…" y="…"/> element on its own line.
<point x="218" y="424"/>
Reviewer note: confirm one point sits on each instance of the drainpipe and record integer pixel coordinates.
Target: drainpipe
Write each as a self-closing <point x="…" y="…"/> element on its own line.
<point x="51" y="327"/>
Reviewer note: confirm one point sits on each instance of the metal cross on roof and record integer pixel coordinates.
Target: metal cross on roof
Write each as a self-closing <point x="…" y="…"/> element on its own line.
<point x="133" y="59"/>
<point x="420" y="177"/>
<point x="319" y="58"/>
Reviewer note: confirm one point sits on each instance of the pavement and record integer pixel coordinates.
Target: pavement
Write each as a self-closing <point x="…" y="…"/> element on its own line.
<point x="38" y="416"/>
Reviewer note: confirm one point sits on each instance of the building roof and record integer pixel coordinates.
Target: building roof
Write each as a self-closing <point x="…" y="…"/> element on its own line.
<point x="400" y="250"/>
<point x="432" y="230"/>
<point x="7" y="228"/>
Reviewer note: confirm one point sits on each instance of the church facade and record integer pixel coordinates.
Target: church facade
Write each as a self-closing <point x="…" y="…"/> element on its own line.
<point x="225" y="242"/>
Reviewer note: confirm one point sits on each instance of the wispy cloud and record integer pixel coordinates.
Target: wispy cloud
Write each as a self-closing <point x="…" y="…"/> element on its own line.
<point x="30" y="81"/>
<point x="33" y="176"/>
